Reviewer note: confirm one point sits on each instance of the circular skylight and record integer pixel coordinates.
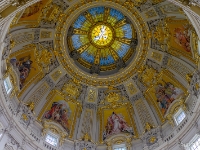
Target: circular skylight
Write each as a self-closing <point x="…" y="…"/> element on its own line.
<point x="101" y="39"/>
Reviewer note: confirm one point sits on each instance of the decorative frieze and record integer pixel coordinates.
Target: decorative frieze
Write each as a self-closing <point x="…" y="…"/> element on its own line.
<point x="179" y="67"/>
<point x="143" y="113"/>
<point x="39" y="93"/>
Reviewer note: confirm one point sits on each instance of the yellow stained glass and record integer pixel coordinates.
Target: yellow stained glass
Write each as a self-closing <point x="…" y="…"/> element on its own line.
<point x="112" y="20"/>
<point x="86" y="25"/>
<point x="83" y="39"/>
<point x="102" y="35"/>
<point x="92" y="50"/>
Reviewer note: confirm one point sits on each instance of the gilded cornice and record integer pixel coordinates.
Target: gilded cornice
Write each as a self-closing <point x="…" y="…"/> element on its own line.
<point x="60" y="45"/>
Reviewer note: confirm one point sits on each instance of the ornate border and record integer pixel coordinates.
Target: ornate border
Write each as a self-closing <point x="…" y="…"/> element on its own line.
<point x="64" y="22"/>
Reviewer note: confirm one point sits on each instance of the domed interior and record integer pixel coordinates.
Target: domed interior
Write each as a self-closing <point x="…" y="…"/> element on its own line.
<point x="99" y="75"/>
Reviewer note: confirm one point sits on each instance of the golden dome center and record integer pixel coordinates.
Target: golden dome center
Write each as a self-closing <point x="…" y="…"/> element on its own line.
<point x="101" y="35"/>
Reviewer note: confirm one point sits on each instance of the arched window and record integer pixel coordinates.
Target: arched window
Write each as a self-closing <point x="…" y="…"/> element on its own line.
<point x="194" y="144"/>
<point x="52" y="139"/>
<point x="7" y="85"/>
<point x="119" y="147"/>
<point x="179" y="116"/>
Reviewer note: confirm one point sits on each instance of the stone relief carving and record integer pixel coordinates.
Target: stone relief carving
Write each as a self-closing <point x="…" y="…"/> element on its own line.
<point x="62" y="81"/>
<point x="154" y="65"/>
<point x="123" y="91"/>
<point x="195" y="84"/>
<point x="83" y="92"/>
<point x="136" y="97"/>
<point x="36" y="35"/>
<point x="84" y="145"/>
<point x="153" y="23"/>
<point x="95" y="69"/>
<point x="7" y="47"/>
<point x="165" y="60"/>
<point x="159" y="11"/>
<point x="49" y="81"/>
<point x="47" y="24"/>
<point x="61" y="3"/>
<point x="48" y="47"/>
<point x="101" y="95"/>
<point x="145" y="6"/>
<point x="151" y="138"/>
<point x="25" y="115"/>
<point x="139" y="84"/>
<point x="89" y="106"/>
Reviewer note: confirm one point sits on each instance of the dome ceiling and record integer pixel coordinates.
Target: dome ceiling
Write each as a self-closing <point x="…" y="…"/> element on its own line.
<point x="86" y="65"/>
<point x="103" y="39"/>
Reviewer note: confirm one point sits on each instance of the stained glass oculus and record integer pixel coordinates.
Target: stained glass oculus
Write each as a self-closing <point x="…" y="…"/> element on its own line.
<point x="102" y="39"/>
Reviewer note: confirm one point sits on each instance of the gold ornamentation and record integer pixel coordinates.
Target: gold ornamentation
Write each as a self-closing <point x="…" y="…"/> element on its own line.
<point x="24" y="117"/>
<point x="45" y="34"/>
<point x="90" y="79"/>
<point x="197" y="86"/>
<point x="157" y="56"/>
<point x="152" y="139"/>
<point x="71" y="89"/>
<point x="148" y="127"/>
<point x="180" y="68"/>
<point x="49" y="101"/>
<point x="44" y="59"/>
<point x="174" y="108"/>
<point x="189" y="77"/>
<point x="148" y="76"/>
<point x="56" y="75"/>
<point x="37" y="77"/>
<point x="86" y="137"/>
<point x="39" y="93"/>
<point x="151" y="13"/>
<point x="131" y="88"/>
<point x="54" y="128"/>
<point x="115" y="106"/>
<point x="143" y="113"/>
<point x="91" y="95"/>
<point x="31" y="106"/>
<point x="119" y="139"/>
<point x="101" y="35"/>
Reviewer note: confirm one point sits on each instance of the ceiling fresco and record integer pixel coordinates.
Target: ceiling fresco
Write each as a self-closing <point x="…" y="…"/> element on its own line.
<point x="121" y="65"/>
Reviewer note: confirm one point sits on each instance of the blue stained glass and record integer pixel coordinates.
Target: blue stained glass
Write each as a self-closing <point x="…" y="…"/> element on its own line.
<point x="79" y="21"/>
<point x="76" y="41"/>
<point x="127" y="31"/>
<point x="96" y="10"/>
<point x="123" y="50"/>
<point x="115" y="13"/>
<point x="87" y="57"/>
<point x="106" y="61"/>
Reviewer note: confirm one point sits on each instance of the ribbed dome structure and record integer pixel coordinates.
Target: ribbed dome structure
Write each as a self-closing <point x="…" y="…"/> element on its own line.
<point x="99" y="75"/>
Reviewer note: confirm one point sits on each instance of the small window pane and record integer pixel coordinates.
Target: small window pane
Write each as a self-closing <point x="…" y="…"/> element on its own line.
<point x="120" y="148"/>
<point x="179" y="116"/>
<point x="195" y="144"/>
<point x="7" y="85"/>
<point x="53" y="140"/>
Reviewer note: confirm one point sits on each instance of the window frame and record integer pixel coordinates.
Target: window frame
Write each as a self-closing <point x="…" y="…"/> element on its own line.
<point x="54" y="136"/>
<point x="7" y="83"/>
<point x="194" y="140"/>
<point x="179" y="112"/>
<point x="116" y="147"/>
